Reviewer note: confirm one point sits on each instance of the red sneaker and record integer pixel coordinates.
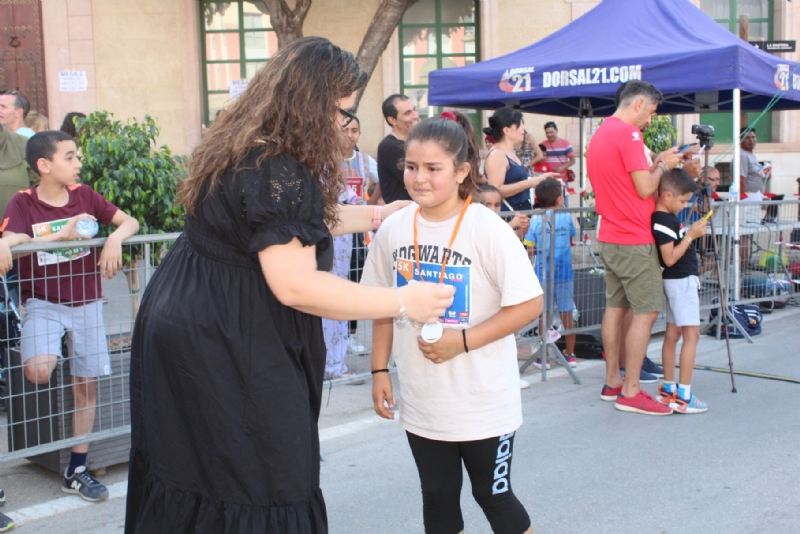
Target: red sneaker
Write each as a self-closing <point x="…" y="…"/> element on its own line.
<point x="642" y="403"/>
<point x="610" y="394"/>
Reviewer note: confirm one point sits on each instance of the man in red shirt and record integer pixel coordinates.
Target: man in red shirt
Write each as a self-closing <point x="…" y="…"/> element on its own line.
<point x="624" y="186"/>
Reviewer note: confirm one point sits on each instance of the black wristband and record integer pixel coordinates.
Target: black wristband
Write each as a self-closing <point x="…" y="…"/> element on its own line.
<point x="376" y="371"/>
<point x="464" y="337"/>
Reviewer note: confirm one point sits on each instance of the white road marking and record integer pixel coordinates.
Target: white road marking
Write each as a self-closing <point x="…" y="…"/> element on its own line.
<point x="70" y="503"/>
<point x="63" y="505"/>
<point x="352" y="427"/>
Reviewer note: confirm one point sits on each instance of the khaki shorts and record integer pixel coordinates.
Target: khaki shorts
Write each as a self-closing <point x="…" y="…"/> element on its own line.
<point x="633" y="277"/>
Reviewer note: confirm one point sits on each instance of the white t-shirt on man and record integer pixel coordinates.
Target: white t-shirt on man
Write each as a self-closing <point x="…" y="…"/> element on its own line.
<point x="475" y="395"/>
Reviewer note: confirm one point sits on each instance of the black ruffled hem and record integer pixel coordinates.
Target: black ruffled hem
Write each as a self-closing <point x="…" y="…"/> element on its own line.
<point x="157" y="508"/>
<point x="280" y="234"/>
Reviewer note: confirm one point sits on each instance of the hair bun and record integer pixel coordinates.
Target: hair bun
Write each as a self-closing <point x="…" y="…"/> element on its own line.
<point x="488" y="131"/>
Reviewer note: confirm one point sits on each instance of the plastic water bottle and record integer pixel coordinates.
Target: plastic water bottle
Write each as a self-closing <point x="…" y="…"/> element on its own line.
<point x="733" y="191"/>
<point x="87" y="227"/>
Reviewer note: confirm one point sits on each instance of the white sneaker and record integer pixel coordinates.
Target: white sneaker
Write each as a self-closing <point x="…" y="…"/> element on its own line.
<point x="354" y="346"/>
<point x="524" y="384"/>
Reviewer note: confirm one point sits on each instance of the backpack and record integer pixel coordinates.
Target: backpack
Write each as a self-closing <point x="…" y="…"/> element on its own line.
<point x="766" y="285"/>
<point x="747" y="315"/>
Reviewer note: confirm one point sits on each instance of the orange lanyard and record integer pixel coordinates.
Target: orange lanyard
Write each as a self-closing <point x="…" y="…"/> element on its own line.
<point x="467" y="202"/>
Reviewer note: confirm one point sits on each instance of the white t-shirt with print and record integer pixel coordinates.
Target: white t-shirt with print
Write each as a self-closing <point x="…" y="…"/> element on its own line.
<point x="475" y="395"/>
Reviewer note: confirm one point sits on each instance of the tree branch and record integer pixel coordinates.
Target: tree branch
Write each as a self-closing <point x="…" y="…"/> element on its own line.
<point x="378" y="35"/>
<point x="287" y="22"/>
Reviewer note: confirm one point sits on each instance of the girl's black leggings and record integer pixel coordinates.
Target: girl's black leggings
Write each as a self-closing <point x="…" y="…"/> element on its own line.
<point x="488" y="463"/>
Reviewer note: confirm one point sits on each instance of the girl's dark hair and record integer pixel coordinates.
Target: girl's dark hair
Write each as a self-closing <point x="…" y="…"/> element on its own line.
<point x="68" y="126"/>
<point x="502" y="118"/>
<point x="457" y="139"/>
<point x="487" y="188"/>
<point x="295" y="93"/>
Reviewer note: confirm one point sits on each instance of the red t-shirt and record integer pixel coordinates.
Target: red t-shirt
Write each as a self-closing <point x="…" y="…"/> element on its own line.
<point x="617" y="149"/>
<point x="66" y="276"/>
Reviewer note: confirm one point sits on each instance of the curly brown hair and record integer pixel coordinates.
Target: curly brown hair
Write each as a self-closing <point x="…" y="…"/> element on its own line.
<point x="289" y="107"/>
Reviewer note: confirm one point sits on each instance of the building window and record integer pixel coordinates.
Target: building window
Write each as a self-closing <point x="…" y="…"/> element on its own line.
<point x="436" y="34"/>
<point x="727" y="13"/>
<point x="237" y="40"/>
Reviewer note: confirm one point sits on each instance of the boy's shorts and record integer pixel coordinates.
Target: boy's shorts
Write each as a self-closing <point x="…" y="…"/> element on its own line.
<point x="683" y="301"/>
<point x="633" y="276"/>
<point x="563" y="293"/>
<point x="45" y="323"/>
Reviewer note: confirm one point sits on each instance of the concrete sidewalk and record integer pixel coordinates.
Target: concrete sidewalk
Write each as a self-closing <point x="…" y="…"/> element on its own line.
<point x="580" y="466"/>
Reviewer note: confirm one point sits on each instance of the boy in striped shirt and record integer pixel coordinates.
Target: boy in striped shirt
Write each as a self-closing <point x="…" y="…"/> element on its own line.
<point x="680" y="279"/>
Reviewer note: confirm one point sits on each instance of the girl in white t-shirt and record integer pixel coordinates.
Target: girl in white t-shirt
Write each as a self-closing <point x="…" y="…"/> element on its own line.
<point x="460" y="392"/>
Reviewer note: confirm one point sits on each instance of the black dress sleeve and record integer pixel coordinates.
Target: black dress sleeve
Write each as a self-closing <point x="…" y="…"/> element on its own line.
<point x="282" y="202"/>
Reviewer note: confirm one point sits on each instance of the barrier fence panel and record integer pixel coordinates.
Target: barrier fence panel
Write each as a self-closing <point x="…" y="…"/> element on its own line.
<point x="764" y="236"/>
<point x="47" y="408"/>
<point x="349" y="343"/>
<point x="763" y="267"/>
<point x="758" y="245"/>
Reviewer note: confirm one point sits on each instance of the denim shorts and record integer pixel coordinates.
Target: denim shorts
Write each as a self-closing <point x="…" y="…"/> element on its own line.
<point x="45" y="323"/>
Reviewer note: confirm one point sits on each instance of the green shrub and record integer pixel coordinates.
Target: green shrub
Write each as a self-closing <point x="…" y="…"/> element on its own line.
<point x="658" y="137"/>
<point x="122" y="163"/>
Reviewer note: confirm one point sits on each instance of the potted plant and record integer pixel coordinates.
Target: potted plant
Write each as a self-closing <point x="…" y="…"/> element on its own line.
<point x="122" y="162"/>
<point x="589" y="221"/>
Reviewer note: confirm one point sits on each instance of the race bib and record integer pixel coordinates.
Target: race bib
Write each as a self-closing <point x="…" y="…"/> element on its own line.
<point x="458" y="276"/>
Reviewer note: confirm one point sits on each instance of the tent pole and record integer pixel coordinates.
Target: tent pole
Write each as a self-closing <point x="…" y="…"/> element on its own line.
<point x="582" y="143"/>
<point x="736" y="175"/>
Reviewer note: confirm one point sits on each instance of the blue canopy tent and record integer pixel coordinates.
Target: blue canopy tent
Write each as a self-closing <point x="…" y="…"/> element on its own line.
<point x="698" y="65"/>
<point x="695" y="62"/>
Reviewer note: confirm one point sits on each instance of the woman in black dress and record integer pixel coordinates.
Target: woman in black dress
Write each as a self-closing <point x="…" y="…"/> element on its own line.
<point x="228" y="355"/>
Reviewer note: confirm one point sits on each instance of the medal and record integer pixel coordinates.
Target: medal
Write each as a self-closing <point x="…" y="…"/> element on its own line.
<point x="432" y="333"/>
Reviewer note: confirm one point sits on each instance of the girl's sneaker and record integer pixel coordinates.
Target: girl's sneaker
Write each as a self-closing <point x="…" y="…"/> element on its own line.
<point x="538" y="363"/>
<point x="571" y="360"/>
<point x="693" y="405"/>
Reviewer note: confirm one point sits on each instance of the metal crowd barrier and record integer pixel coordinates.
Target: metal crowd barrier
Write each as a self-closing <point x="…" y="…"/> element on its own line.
<point x="763" y="235"/>
<point x="758" y="244"/>
<point x="37" y="422"/>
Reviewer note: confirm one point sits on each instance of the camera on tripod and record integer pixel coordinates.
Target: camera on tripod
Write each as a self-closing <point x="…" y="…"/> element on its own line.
<point x="705" y="134"/>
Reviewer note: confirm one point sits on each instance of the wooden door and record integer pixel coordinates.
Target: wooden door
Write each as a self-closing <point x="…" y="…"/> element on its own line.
<point x="22" y="50"/>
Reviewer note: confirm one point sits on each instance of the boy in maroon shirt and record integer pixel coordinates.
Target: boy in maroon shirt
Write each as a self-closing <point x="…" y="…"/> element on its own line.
<point x="61" y="289"/>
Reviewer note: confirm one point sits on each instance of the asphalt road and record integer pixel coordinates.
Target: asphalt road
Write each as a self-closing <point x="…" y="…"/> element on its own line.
<point x="580" y="466"/>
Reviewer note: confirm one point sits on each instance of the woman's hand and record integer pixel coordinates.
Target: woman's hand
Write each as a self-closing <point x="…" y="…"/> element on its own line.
<point x="450" y="345"/>
<point x="426" y="302"/>
<point x="382" y="391"/>
<point x="388" y="209"/>
<point x="536" y="180"/>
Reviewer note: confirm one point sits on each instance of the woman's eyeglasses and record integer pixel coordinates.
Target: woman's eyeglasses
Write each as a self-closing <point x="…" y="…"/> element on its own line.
<point x="348" y="117"/>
